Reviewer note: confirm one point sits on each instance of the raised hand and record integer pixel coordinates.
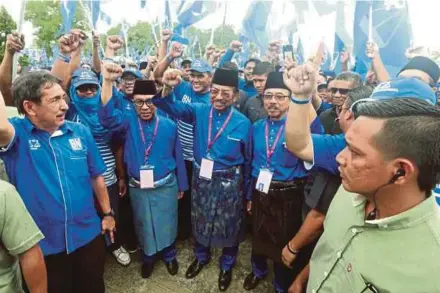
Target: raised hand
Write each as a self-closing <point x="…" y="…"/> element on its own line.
<point x="171" y="78"/>
<point x="236" y="46"/>
<point x="209" y="50"/>
<point x="166" y="35"/>
<point x="69" y="43"/>
<point x="176" y="50"/>
<point x="275" y="46"/>
<point x="111" y="71"/>
<point x="301" y="80"/>
<point x="345" y="56"/>
<point x="14" y="43"/>
<point x="96" y="39"/>
<point x="372" y="50"/>
<point x="115" y="43"/>
<point x="289" y="63"/>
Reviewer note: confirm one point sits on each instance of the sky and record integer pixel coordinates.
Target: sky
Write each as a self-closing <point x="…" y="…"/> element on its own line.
<point x="423" y="15"/>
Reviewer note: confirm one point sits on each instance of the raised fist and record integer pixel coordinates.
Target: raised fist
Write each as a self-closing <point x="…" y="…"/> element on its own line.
<point x="275" y="46"/>
<point x="176" y="50"/>
<point x="111" y="71"/>
<point x="114" y="43"/>
<point x="301" y="80"/>
<point x="171" y="78"/>
<point x="372" y="50"/>
<point x="209" y="50"/>
<point x="166" y="35"/>
<point x="69" y="43"/>
<point x="345" y="57"/>
<point x="96" y="39"/>
<point x="216" y="53"/>
<point x="15" y="42"/>
<point x="236" y="46"/>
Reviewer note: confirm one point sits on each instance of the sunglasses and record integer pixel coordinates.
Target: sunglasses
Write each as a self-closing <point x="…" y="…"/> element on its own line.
<point x="140" y="103"/>
<point x="86" y="88"/>
<point x="341" y="91"/>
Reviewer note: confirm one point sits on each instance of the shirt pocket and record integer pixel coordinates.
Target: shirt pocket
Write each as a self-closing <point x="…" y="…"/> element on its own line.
<point x="231" y="147"/>
<point x="288" y="160"/>
<point x="79" y="164"/>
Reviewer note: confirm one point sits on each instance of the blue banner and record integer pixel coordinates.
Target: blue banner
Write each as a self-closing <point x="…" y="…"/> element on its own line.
<point x="255" y="22"/>
<point x="68" y="9"/>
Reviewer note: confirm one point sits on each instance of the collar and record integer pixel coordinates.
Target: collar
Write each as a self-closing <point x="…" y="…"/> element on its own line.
<point x="221" y="114"/>
<point x="282" y="121"/>
<point x="29" y="126"/>
<point x="426" y="209"/>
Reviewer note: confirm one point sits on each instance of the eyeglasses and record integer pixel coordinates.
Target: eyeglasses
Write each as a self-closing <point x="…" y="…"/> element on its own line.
<point x="341" y="91"/>
<point x="278" y="98"/>
<point x="140" y="103"/>
<point x="86" y="88"/>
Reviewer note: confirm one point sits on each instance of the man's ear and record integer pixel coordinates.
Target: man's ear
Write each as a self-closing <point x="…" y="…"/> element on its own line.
<point x="29" y="108"/>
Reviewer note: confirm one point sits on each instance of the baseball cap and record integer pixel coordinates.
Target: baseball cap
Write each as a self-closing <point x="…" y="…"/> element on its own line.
<point x="424" y="64"/>
<point x="401" y="88"/>
<point x="130" y="70"/>
<point x="83" y="76"/>
<point x="201" y="66"/>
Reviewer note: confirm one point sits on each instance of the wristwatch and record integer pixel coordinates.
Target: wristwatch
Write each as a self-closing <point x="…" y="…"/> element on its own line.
<point x="109" y="214"/>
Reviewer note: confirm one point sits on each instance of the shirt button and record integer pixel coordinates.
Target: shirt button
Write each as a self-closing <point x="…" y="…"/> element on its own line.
<point x="313" y="291"/>
<point x="354" y="230"/>
<point x="339" y="254"/>
<point x="325" y="274"/>
<point x="385" y="226"/>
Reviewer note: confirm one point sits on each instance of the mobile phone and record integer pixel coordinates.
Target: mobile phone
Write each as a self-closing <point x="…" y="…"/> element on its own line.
<point x="288" y="51"/>
<point x="107" y="238"/>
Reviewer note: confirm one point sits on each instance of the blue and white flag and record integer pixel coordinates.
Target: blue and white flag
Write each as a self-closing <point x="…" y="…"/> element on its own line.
<point x="68" y="9"/>
<point x="195" y="11"/>
<point x="255" y="24"/>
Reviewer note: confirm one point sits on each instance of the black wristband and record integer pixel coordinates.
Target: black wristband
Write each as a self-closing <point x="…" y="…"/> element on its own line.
<point x="291" y="250"/>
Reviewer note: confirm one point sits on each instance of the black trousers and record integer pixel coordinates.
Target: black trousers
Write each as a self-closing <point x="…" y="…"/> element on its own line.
<point x="81" y="271"/>
<point x="184" y="214"/>
<point x="113" y="193"/>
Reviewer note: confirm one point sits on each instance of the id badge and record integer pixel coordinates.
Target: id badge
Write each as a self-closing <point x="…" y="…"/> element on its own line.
<point x="206" y="169"/>
<point x="147" y="177"/>
<point x="264" y="180"/>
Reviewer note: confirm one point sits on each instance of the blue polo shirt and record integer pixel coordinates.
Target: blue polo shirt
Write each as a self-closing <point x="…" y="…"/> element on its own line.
<point x="53" y="176"/>
<point x="325" y="149"/>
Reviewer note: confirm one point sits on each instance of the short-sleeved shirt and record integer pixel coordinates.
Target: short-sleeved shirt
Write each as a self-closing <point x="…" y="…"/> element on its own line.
<point x="18" y="234"/>
<point x="53" y="175"/>
<point x="395" y="254"/>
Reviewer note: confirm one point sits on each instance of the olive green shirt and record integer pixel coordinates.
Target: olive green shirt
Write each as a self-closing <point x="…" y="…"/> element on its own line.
<point x="18" y="233"/>
<point x="399" y="254"/>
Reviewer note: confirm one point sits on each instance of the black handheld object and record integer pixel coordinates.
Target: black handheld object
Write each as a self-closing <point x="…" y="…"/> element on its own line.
<point x="288" y="51"/>
<point x="399" y="173"/>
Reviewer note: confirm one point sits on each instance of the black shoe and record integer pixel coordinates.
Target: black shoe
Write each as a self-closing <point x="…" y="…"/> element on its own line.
<point x="172" y="267"/>
<point x="194" y="269"/>
<point x="224" y="280"/>
<point x="251" y="282"/>
<point x="147" y="269"/>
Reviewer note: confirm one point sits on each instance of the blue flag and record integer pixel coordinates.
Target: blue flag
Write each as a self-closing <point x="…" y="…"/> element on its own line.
<point x="391" y="31"/>
<point x="339" y="47"/>
<point x="255" y="22"/>
<point x="197" y="11"/>
<point x="143" y="3"/>
<point x="68" y="9"/>
<point x="168" y="19"/>
<point x="299" y="54"/>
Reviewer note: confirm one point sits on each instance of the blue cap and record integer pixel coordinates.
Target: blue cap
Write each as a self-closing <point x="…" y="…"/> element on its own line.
<point x="132" y="71"/>
<point x="402" y="88"/>
<point x="201" y="66"/>
<point x="83" y="76"/>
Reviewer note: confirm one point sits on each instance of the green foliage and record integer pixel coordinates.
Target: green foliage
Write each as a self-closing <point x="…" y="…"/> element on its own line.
<point x="7" y="26"/>
<point x="46" y="18"/>
<point x="24" y="60"/>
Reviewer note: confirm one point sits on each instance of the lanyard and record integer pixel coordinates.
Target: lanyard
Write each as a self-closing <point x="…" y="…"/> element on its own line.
<point x="210" y="143"/>
<point x="148" y="149"/>
<point x="270" y="151"/>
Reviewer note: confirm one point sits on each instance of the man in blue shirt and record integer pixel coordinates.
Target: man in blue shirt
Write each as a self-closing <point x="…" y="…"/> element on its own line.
<point x="56" y="167"/>
<point x="221" y="174"/>
<point x="279" y="178"/>
<point x="157" y="175"/>
<point x="245" y="84"/>
<point x="197" y="90"/>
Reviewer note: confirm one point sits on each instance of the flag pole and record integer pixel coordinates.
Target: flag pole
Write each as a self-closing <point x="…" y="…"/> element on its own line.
<point x="19" y="30"/>
<point x="370" y="24"/>
<point x="224" y="22"/>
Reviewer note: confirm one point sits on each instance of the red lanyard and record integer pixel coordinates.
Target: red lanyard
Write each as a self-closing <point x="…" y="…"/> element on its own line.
<point x="211" y="143"/>
<point x="148" y="149"/>
<point x="270" y="151"/>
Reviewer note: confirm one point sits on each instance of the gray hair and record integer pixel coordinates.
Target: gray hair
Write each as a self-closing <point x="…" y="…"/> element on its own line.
<point x="350" y="76"/>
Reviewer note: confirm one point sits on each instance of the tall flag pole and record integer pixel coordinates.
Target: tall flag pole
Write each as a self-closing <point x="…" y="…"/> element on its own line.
<point x="19" y="29"/>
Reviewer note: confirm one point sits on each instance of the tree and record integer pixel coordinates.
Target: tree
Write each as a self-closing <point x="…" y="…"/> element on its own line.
<point x="7" y="26"/>
<point x="45" y="16"/>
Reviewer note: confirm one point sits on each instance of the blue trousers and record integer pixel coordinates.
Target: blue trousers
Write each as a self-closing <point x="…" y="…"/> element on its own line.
<point x="283" y="276"/>
<point x="168" y="254"/>
<point x="227" y="259"/>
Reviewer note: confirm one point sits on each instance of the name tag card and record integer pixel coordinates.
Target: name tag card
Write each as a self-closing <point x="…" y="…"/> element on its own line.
<point x="206" y="169"/>
<point x="147" y="178"/>
<point x="264" y="180"/>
